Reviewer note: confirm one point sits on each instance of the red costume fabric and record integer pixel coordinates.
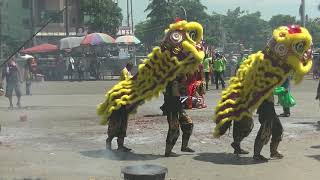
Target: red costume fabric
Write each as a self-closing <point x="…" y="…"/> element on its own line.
<point x="195" y="88"/>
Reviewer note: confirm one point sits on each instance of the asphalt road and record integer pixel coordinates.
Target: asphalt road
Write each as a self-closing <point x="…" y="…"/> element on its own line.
<point x="62" y="139"/>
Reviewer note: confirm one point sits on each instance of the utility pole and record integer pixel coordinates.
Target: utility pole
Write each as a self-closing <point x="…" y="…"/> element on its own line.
<point x="128" y="14"/>
<point x="1" y="54"/>
<point x="302" y="11"/>
<point x="221" y="33"/>
<point x="32" y="15"/>
<point x="131" y="17"/>
<point x="67" y="18"/>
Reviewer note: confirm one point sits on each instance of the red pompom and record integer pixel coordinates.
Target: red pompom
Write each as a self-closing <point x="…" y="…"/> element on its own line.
<point x="178" y="19"/>
<point x="293" y="29"/>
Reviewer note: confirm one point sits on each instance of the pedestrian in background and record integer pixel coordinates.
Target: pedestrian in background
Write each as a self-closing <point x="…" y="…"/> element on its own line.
<point x="286" y="110"/>
<point x="233" y="65"/>
<point x="206" y="69"/>
<point x="29" y="71"/>
<point x="81" y="70"/>
<point x="219" y="67"/>
<point x="71" y="68"/>
<point x="126" y="72"/>
<point x="12" y="74"/>
<point x="212" y="73"/>
<point x="240" y="60"/>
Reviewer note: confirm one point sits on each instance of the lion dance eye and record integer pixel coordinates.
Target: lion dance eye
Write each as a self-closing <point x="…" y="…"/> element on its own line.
<point x="176" y="37"/>
<point x="193" y="35"/>
<point x="281" y="49"/>
<point x="299" y="47"/>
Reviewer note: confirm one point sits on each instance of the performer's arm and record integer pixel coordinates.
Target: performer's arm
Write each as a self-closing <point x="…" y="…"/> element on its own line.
<point x="126" y="74"/>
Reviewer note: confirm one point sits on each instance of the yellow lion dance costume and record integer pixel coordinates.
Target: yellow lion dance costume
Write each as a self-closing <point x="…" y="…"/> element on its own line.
<point x="180" y="52"/>
<point x="288" y="51"/>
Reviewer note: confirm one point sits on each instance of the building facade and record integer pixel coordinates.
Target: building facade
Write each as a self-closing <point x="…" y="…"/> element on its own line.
<point x="3" y="24"/>
<point x="63" y="23"/>
<point x="15" y="18"/>
<point x="45" y="9"/>
<point x="21" y="18"/>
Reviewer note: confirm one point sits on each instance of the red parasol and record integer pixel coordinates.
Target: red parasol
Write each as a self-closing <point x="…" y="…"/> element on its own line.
<point x="42" y="48"/>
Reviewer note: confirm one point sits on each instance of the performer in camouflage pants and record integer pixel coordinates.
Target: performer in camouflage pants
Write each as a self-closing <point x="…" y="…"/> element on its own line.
<point x="241" y="129"/>
<point x="270" y="126"/>
<point x="176" y="117"/>
<point x="117" y="127"/>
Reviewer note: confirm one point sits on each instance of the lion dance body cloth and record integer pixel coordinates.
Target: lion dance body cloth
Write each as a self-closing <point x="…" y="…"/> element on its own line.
<point x="180" y="52"/>
<point x="289" y="50"/>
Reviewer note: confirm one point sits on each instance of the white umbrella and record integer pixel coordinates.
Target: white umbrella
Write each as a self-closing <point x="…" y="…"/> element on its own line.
<point x="70" y="42"/>
<point x="128" y="40"/>
<point x="26" y="56"/>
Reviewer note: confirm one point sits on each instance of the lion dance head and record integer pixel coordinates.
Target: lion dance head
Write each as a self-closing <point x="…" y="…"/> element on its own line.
<point x="184" y="41"/>
<point x="292" y="45"/>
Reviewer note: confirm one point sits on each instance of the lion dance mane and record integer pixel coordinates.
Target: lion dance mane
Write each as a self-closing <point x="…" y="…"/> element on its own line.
<point x="180" y="52"/>
<point x="288" y="51"/>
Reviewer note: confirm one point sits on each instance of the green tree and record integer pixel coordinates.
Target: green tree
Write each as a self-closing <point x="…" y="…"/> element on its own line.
<point x="281" y="20"/>
<point x="160" y="15"/>
<point x="252" y="31"/>
<point x="227" y="24"/>
<point x="195" y="10"/>
<point x="10" y="45"/>
<point x="238" y="26"/>
<point x="314" y="29"/>
<point x="103" y="15"/>
<point x="143" y="31"/>
<point x="212" y="30"/>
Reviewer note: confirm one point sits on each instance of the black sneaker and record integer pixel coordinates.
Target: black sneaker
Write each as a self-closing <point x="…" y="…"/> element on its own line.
<point x="123" y="149"/>
<point x="276" y="155"/>
<point x="187" y="149"/>
<point x="238" y="150"/>
<point x="284" y="115"/>
<point x="241" y="151"/>
<point x="170" y="154"/>
<point x="108" y="146"/>
<point x="259" y="158"/>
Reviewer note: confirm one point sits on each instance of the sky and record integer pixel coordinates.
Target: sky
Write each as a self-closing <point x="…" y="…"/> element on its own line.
<point x="268" y="8"/>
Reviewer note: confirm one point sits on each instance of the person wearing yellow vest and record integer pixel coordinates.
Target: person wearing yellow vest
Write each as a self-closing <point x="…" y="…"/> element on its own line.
<point x="206" y="69"/>
<point x="126" y="72"/>
<point x="219" y="65"/>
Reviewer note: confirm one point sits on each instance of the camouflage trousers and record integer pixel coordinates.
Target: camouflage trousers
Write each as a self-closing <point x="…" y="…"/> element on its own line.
<point x="270" y="126"/>
<point x="177" y="120"/>
<point x="242" y="129"/>
<point x="118" y="123"/>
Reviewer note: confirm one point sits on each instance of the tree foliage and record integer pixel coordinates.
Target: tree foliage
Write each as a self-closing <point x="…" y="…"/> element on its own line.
<point x="143" y="31"/>
<point x="235" y="26"/>
<point x="282" y="20"/>
<point x="195" y="10"/>
<point x="104" y="15"/>
<point x="10" y="45"/>
<point x="161" y="13"/>
<point x="314" y="29"/>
